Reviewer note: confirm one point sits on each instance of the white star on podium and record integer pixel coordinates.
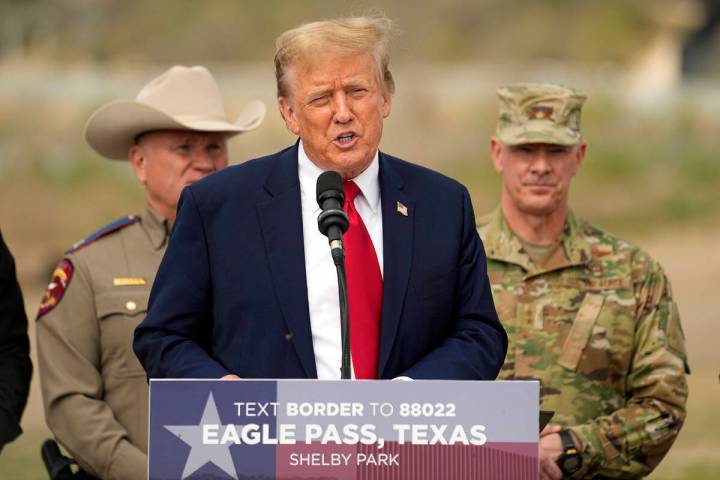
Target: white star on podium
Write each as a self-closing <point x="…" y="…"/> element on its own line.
<point x="201" y="454"/>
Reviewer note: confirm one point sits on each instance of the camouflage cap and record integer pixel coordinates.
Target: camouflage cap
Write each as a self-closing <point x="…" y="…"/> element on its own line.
<point x="539" y="113"/>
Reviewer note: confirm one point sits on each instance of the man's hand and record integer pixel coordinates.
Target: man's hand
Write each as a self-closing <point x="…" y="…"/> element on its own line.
<point x="550" y="448"/>
<point x="230" y="377"/>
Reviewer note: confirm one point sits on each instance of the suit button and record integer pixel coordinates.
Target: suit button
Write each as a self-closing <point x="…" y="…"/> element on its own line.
<point x="131" y="306"/>
<point x="289" y="336"/>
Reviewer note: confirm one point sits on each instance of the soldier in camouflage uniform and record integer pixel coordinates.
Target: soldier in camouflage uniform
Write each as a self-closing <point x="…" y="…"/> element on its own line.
<point x="588" y="315"/>
<point x="95" y="391"/>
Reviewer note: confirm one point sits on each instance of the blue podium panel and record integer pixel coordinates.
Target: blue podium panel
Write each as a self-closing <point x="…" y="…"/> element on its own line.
<point x="345" y="430"/>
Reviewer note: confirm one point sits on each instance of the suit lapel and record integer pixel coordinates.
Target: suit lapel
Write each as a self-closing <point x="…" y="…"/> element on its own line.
<point x="281" y="223"/>
<point x="397" y="253"/>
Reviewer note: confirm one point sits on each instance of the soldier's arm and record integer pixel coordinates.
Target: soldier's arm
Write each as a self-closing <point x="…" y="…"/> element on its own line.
<point x="69" y="354"/>
<point x="15" y="366"/>
<point x="632" y="440"/>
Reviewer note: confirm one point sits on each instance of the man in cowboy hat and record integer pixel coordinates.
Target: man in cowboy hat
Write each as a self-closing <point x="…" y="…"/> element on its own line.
<point x="94" y="389"/>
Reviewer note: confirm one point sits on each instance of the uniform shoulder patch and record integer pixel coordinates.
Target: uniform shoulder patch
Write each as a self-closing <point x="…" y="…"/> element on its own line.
<point x="59" y="282"/>
<point x="115" y="226"/>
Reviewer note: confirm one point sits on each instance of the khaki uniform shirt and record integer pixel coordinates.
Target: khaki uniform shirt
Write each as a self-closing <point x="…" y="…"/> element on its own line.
<point x="94" y="389"/>
<point x="598" y="327"/>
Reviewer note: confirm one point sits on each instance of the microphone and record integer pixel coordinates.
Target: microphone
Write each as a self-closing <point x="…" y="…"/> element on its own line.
<point x="332" y="221"/>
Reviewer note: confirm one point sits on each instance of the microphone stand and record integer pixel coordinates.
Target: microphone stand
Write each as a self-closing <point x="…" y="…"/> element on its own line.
<point x="333" y="222"/>
<point x="339" y="260"/>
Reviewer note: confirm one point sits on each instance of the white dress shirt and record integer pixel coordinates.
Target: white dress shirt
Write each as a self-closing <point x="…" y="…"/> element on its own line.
<point x="320" y="272"/>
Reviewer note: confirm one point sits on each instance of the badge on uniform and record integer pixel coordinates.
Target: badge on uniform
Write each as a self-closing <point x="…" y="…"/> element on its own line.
<point x="540" y="112"/>
<point x="128" y="281"/>
<point x="59" y="282"/>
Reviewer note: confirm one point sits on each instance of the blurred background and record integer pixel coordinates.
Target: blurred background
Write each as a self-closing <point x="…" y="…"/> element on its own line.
<point x="652" y="122"/>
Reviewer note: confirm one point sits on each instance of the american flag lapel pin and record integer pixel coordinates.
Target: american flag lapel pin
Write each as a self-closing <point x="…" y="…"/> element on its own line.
<point x="402" y="209"/>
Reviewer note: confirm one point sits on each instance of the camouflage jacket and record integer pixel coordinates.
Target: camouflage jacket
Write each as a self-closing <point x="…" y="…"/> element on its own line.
<point x="598" y="327"/>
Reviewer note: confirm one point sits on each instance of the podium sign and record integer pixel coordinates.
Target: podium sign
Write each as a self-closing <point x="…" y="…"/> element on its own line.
<point x="345" y="430"/>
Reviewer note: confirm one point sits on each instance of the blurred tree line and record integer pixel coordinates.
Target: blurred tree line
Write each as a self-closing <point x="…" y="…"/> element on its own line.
<point x="221" y="30"/>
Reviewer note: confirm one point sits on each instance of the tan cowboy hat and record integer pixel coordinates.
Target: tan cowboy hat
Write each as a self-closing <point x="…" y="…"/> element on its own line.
<point x="183" y="98"/>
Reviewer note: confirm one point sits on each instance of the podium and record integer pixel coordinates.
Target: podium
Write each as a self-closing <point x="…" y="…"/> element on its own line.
<point x="345" y="430"/>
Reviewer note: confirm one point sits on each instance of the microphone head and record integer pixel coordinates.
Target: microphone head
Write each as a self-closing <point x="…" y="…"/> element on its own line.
<point x="332" y="221"/>
<point x="329" y="185"/>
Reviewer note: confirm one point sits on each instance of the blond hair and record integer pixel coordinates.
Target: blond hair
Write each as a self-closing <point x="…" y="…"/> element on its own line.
<point x="345" y="36"/>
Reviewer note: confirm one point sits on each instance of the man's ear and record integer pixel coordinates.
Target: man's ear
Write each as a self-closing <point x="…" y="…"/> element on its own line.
<point x="496" y="148"/>
<point x="387" y="103"/>
<point x="288" y="114"/>
<point x="136" y="157"/>
<point x="579" y="155"/>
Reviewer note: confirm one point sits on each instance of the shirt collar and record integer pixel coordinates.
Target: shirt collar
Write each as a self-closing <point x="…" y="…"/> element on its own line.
<point x="156" y="227"/>
<point x="368" y="181"/>
<point x="502" y="244"/>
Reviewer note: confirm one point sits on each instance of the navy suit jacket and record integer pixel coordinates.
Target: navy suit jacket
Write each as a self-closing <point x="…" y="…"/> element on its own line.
<point x="231" y="297"/>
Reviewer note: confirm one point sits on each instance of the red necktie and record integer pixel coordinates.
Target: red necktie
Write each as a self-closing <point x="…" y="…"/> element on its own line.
<point x="364" y="289"/>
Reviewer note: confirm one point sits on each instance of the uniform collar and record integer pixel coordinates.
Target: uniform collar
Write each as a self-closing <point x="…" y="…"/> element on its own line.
<point x="503" y="245"/>
<point x="368" y="181"/>
<point x="156" y="227"/>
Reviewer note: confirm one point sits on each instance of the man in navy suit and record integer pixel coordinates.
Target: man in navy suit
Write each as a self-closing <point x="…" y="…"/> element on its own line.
<point x="247" y="287"/>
